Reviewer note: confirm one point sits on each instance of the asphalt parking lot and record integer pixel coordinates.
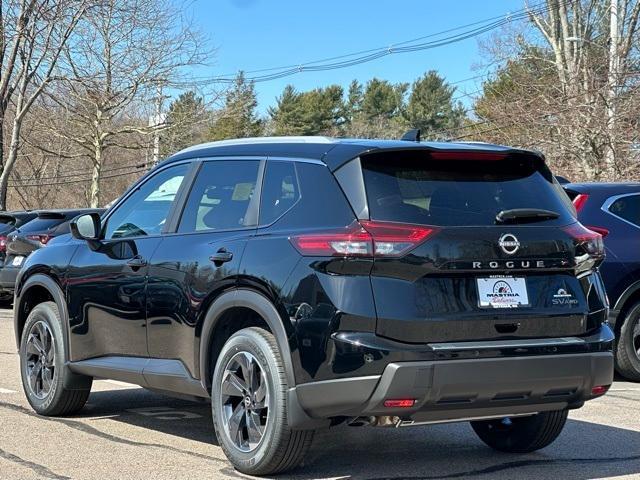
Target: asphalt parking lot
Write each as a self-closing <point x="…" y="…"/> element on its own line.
<point x="126" y="432"/>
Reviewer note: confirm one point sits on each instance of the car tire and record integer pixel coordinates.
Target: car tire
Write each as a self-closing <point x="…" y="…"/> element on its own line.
<point x="249" y="375"/>
<point x="521" y="434"/>
<point x="51" y="388"/>
<point x="628" y="345"/>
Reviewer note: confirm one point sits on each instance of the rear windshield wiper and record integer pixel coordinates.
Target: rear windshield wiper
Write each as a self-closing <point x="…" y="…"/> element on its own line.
<point x="525" y="215"/>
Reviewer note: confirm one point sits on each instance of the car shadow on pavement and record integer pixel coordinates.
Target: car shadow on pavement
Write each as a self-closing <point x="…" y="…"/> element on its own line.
<point x="584" y="450"/>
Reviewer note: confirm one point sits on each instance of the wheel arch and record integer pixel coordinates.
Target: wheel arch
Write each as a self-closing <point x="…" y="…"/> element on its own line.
<point x="261" y="306"/>
<point x="627" y="299"/>
<point x="34" y="290"/>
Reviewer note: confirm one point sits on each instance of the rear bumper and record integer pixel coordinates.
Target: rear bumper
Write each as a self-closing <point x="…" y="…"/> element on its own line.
<point x="466" y="388"/>
<point x="8" y="277"/>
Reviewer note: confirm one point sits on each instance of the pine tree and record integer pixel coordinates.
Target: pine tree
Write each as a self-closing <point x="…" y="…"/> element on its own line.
<point x="382" y="98"/>
<point x="287" y="115"/>
<point x="238" y="118"/>
<point x="186" y="119"/>
<point x="431" y="107"/>
<point x="316" y="112"/>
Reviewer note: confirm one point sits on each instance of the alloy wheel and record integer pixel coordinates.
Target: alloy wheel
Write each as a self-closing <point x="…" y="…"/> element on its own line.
<point x="40" y="360"/>
<point x="245" y="401"/>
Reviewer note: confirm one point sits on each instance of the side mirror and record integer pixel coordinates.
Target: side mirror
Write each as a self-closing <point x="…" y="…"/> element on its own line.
<point x="86" y="227"/>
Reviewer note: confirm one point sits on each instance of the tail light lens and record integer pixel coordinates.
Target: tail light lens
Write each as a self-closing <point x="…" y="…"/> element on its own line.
<point x="587" y="242"/>
<point x="400" y="403"/>
<point x="579" y="201"/>
<point x="3" y="243"/>
<point x="600" y="390"/>
<point x="43" y="239"/>
<point x="601" y="230"/>
<point x="364" y="239"/>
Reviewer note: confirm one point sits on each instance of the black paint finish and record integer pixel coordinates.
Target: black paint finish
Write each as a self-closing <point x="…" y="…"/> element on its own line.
<point x="148" y="296"/>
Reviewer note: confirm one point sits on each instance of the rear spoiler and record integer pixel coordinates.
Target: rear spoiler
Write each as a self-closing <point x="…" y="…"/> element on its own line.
<point x="52" y="215"/>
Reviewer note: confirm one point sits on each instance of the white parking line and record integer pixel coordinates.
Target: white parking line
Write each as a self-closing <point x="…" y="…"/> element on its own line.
<point x="6" y="390"/>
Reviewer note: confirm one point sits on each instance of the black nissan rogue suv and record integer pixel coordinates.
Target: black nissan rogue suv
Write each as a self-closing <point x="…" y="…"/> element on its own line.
<point x="304" y="282"/>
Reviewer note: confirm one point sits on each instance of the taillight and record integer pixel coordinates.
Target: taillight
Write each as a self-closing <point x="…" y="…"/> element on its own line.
<point x="3" y="243"/>
<point x="480" y="156"/>
<point x="600" y="390"/>
<point x="363" y="239"/>
<point x="601" y="230"/>
<point x="587" y="241"/>
<point x="400" y="403"/>
<point x="43" y="239"/>
<point x="579" y="201"/>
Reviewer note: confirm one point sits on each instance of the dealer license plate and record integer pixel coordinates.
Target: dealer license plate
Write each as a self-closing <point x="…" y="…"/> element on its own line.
<point x="502" y="292"/>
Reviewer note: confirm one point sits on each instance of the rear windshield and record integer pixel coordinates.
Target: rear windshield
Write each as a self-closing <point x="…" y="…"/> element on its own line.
<point x="6" y="224"/>
<point x="412" y="188"/>
<point x="41" y="224"/>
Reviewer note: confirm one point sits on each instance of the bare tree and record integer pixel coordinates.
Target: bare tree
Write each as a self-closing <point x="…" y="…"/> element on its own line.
<point x="123" y="52"/>
<point x="572" y="29"/>
<point x="32" y="37"/>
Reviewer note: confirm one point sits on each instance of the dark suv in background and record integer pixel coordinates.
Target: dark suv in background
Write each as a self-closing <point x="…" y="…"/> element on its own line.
<point x="613" y="209"/>
<point x="9" y="221"/>
<point x="30" y="235"/>
<point x="299" y="283"/>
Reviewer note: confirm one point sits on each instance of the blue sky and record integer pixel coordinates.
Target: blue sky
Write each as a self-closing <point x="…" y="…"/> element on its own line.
<point x="255" y="34"/>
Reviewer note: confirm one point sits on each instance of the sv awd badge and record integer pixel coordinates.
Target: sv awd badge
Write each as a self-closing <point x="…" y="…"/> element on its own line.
<point x="562" y="297"/>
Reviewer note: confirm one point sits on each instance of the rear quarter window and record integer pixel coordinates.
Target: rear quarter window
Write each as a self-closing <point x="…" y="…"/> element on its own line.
<point x="627" y="208"/>
<point x="411" y="187"/>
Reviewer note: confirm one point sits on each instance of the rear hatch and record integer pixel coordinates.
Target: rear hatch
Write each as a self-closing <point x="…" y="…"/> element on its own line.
<point x="35" y="234"/>
<point x="496" y="251"/>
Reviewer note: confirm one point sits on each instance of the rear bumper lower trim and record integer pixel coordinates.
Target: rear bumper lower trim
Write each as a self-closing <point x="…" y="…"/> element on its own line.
<point x="451" y="390"/>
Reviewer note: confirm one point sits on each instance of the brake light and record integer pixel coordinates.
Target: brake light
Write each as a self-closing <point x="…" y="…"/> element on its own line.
<point x="486" y="156"/>
<point x="601" y="230"/>
<point x="3" y="243"/>
<point x="600" y="389"/>
<point x="579" y="201"/>
<point x="363" y="239"/>
<point x="586" y="241"/>
<point x="400" y="403"/>
<point x="43" y="239"/>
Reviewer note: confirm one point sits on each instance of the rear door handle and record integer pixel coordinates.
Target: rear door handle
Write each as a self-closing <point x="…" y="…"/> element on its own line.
<point x="221" y="256"/>
<point x="137" y="262"/>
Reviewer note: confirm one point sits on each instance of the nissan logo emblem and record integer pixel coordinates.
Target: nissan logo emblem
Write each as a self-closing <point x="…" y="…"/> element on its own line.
<point x="509" y="243"/>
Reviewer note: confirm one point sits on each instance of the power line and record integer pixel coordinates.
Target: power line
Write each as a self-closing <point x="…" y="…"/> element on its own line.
<point x="347" y="60"/>
<point x="83" y="180"/>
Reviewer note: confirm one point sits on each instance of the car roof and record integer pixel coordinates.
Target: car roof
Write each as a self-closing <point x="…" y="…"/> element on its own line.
<point x="611" y="188"/>
<point x="334" y="152"/>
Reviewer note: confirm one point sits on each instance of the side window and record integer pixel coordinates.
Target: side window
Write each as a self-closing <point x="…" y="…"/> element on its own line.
<point x="146" y="210"/>
<point x="280" y="191"/>
<point x="627" y="208"/>
<point x="221" y="196"/>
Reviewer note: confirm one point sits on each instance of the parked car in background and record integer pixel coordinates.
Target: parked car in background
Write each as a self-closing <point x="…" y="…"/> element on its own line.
<point x="30" y="236"/>
<point x="613" y="210"/>
<point x="9" y="221"/>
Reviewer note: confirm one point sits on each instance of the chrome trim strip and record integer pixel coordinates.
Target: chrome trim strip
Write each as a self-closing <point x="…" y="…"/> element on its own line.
<point x="537" y="342"/>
